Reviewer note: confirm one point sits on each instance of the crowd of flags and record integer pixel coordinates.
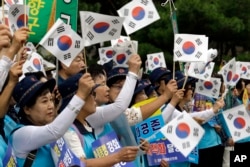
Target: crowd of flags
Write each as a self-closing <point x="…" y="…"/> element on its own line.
<point x="65" y="44"/>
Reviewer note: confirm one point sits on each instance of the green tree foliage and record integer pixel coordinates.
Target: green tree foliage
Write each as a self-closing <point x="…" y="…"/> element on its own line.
<point x="226" y="23"/>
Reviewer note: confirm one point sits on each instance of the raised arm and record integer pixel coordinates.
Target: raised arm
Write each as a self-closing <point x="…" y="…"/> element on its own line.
<point x="108" y="113"/>
<point x="28" y="138"/>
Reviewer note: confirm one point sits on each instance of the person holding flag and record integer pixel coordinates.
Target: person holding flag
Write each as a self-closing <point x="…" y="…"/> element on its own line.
<point x="39" y="124"/>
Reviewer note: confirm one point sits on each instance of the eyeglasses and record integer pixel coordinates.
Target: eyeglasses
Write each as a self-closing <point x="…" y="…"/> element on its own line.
<point x="119" y="87"/>
<point x="93" y="93"/>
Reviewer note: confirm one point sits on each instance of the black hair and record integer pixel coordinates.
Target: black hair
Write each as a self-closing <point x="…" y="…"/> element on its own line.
<point x="96" y="70"/>
<point x="115" y="79"/>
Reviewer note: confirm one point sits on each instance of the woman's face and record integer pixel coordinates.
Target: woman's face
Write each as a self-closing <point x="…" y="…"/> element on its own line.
<point x="43" y="111"/>
<point x="102" y="91"/>
<point x="115" y="90"/>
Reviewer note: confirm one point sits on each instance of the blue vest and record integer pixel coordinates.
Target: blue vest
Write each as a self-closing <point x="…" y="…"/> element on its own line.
<point x="43" y="158"/>
<point x="3" y="148"/>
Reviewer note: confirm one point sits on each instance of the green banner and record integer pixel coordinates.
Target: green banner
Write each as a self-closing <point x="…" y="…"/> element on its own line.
<point x="41" y="18"/>
<point x="67" y="10"/>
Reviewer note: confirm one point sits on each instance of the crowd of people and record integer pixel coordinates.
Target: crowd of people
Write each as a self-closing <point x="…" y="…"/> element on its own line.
<point x="85" y="103"/>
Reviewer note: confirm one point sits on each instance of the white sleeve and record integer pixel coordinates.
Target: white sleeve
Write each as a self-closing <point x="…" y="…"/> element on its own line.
<point x="205" y="115"/>
<point x="74" y="143"/>
<point x="169" y="113"/>
<point x="5" y="64"/>
<point x="29" y="138"/>
<point x="133" y="115"/>
<point x="108" y="113"/>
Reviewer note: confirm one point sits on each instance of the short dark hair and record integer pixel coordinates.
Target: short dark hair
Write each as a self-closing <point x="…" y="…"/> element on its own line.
<point x="95" y="70"/>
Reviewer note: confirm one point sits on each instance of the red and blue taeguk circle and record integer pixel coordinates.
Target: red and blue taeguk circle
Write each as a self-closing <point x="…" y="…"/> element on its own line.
<point x="156" y="60"/>
<point x="239" y="123"/>
<point x="21" y="20"/>
<point x="109" y="53"/>
<point x="208" y="85"/>
<point x="182" y="130"/>
<point x="138" y="13"/>
<point x="120" y="58"/>
<point x="188" y="47"/>
<point x="229" y="76"/>
<point x="37" y="64"/>
<point x="101" y="27"/>
<point x="64" y="42"/>
<point x="244" y="69"/>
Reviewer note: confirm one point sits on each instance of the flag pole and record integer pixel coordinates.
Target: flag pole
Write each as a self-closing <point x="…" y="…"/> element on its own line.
<point x="85" y="59"/>
<point x="25" y="13"/>
<point x="3" y="21"/>
<point x="174" y="26"/>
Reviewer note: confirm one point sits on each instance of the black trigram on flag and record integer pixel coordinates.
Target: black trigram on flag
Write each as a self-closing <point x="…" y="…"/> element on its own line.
<point x="60" y="29"/>
<point x="15" y="12"/>
<point x="77" y="44"/>
<point x="144" y="2"/>
<point x="51" y="42"/>
<point x="90" y="19"/>
<point x="67" y="56"/>
<point x="90" y="35"/>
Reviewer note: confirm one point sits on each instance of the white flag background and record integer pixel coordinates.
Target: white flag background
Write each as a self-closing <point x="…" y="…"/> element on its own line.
<point x="17" y="16"/>
<point x="5" y="13"/>
<point x="183" y="132"/>
<point x="190" y="48"/>
<point x="156" y="60"/>
<point x="209" y="88"/>
<point x="122" y="39"/>
<point x="138" y="14"/>
<point x="98" y="28"/>
<point x="30" y="47"/>
<point x="12" y="2"/>
<point x="122" y="52"/>
<point x="204" y="74"/>
<point x="237" y="120"/>
<point x="244" y="69"/>
<point x="229" y="73"/>
<point x="63" y="42"/>
<point x="34" y="63"/>
<point x="105" y="54"/>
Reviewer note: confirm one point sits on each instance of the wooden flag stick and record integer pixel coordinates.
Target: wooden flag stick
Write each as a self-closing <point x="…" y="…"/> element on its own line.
<point x="173" y="69"/>
<point x="25" y="13"/>
<point x="185" y="81"/>
<point x="85" y="59"/>
<point x="3" y="12"/>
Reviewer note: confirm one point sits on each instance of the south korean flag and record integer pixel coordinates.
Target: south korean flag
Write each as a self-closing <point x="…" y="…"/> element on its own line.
<point x="125" y="39"/>
<point x="156" y="60"/>
<point x="138" y="14"/>
<point x="18" y="16"/>
<point x="209" y="88"/>
<point x="105" y="54"/>
<point x="244" y="69"/>
<point x="183" y="132"/>
<point x="63" y="42"/>
<point x="190" y="48"/>
<point x="97" y="28"/>
<point x="34" y="63"/>
<point x="204" y="74"/>
<point x="122" y="52"/>
<point x="237" y="120"/>
<point x="230" y="73"/>
<point x="4" y="11"/>
<point x="12" y="2"/>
